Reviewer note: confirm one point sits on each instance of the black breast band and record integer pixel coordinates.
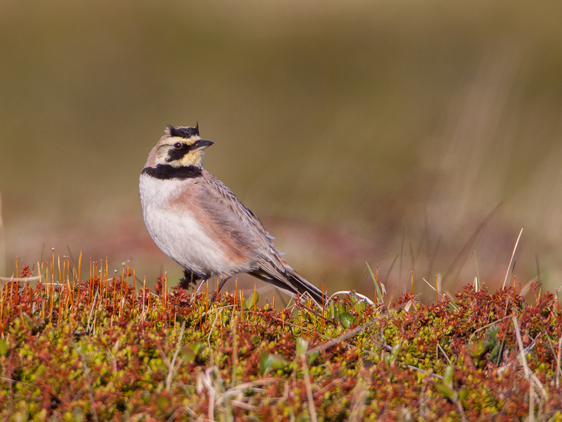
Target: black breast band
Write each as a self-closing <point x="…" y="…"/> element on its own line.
<point x="166" y="171"/>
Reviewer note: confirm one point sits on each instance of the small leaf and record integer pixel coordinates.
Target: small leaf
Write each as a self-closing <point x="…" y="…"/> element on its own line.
<point x="145" y="396"/>
<point x="448" y="374"/>
<point x="312" y="358"/>
<point x="303" y="417"/>
<point x="341" y="308"/>
<point x="360" y="306"/>
<point x="332" y="310"/>
<point x="302" y="346"/>
<point x="197" y="347"/>
<point x="187" y="354"/>
<point x="347" y="319"/>
<point x="163" y="402"/>
<point x="27" y="321"/>
<point x="250" y="302"/>
<point x="494" y="354"/>
<point x="3" y="347"/>
<point x="278" y="362"/>
<point x="377" y="288"/>
<point x="395" y="352"/>
<point x="446" y="391"/>
<point x="477" y="349"/>
<point x="116" y="347"/>
<point x="265" y="362"/>
<point x="270" y="361"/>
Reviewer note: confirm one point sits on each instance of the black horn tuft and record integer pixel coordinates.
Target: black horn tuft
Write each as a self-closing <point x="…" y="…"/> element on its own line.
<point x="183" y="131"/>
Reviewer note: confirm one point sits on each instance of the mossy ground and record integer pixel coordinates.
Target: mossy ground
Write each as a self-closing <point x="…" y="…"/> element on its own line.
<point x="101" y="349"/>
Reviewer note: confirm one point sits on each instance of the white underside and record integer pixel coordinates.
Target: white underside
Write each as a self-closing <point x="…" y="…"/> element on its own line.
<point x="176" y="232"/>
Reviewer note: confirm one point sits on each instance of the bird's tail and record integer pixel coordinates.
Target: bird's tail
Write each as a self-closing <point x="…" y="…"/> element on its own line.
<point x="281" y="275"/>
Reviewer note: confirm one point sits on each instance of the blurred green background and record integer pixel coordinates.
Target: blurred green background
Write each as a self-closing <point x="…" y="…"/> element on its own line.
<point x="357" y="131"/>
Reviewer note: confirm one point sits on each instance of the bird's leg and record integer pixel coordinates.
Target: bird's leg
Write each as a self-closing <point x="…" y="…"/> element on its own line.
<point x="221" y="284"/>
<point x="201" y="285"/>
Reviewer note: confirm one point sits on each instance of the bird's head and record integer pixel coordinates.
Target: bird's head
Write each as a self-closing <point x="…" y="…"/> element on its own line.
<point x="179" y="147"/>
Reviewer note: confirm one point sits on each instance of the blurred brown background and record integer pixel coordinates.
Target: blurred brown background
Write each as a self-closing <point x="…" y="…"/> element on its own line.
<point x="358" y="131"/>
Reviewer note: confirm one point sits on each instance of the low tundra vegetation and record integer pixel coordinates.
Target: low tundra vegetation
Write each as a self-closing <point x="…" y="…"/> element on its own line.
<point x="109" y="348"/>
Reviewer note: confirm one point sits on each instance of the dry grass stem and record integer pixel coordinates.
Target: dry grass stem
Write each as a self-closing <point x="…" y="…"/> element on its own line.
<point x="533" y="380"/>
<point x="311" y="406"/>
<point x="170" y="376"/>
<point x="558" y="359"/>
<point x="511" y="259"/>
<point x="341" y="338"/>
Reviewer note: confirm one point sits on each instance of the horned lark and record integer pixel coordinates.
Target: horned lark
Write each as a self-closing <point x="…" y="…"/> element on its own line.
<point x="199" y="223"/>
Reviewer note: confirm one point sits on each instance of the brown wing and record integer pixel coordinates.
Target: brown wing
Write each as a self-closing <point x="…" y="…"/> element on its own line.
<point x="239" y="227"/>
<point x="247" y="237"/>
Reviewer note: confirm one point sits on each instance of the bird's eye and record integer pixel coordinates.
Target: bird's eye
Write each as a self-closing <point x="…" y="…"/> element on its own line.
<point x="177" y="145"/>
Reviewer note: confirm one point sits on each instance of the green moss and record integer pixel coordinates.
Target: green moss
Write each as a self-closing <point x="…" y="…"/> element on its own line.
<point x="128" y="361"/>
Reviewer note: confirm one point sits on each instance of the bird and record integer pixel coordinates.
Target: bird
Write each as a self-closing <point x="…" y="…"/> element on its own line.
<point x="198" y="222"/>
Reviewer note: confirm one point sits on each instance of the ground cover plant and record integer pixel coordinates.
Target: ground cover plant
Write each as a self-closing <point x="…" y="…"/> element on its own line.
<point x="107" y="348"/>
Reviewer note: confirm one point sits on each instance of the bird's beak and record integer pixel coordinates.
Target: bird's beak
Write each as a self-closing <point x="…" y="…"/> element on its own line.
<point x="201" y="145"/>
